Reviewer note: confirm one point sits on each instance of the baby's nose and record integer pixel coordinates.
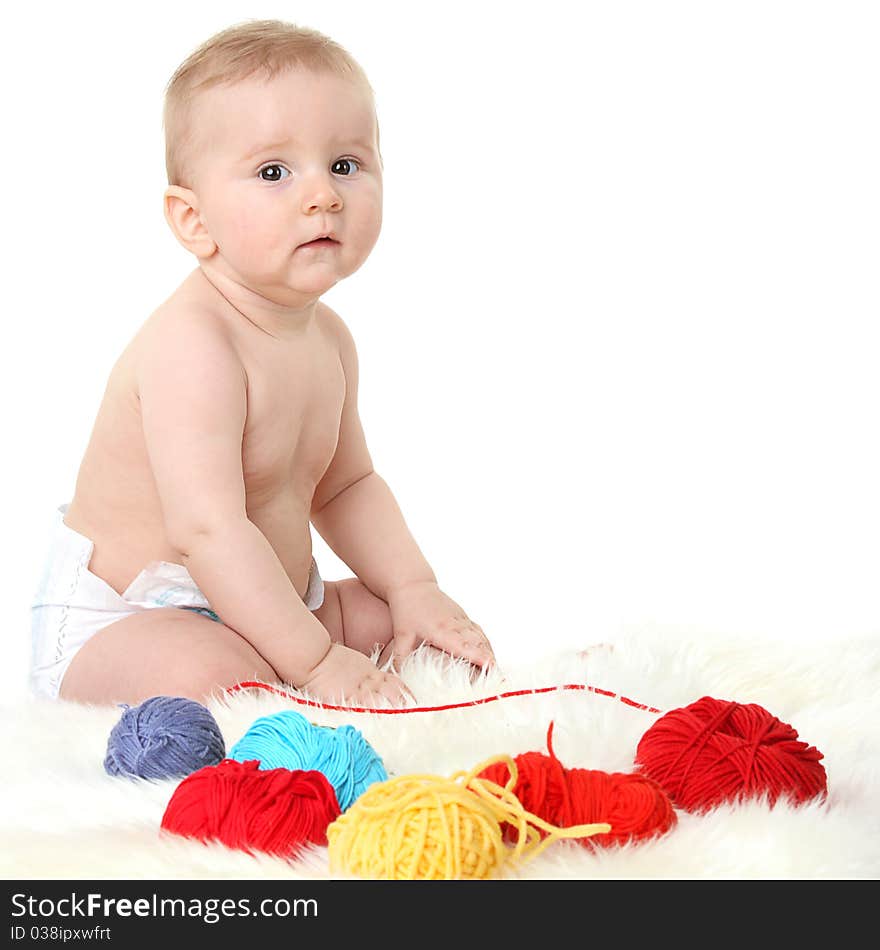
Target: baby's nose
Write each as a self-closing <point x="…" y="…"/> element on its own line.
<point x="321" y="196"/>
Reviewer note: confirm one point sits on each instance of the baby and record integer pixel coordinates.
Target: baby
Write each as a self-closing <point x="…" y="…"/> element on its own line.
<point x="183" y="562"/>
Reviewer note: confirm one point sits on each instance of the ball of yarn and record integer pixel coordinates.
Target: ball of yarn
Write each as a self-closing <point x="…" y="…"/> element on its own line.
<point x="427" y="827"/>
<point x="715" y="751"/>
<point x="287" y="740"/>
<point x="164" y="737"/>
<point x="277" y="811"/>
<point x="634" y="805"/>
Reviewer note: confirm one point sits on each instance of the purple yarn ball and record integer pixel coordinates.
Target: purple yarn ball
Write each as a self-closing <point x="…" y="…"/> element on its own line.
<point x="165" y="737"/>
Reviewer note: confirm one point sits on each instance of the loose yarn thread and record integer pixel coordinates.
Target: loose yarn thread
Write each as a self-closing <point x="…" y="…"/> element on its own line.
<point x="288" y="740"/>
<point x="634" y="805"/>
<point x="164" y="737"/>
<point x="714" y="751"/>
<point x="427" y="827"/>
<point x="409" y="710"/>
<point x="276" y="811"/>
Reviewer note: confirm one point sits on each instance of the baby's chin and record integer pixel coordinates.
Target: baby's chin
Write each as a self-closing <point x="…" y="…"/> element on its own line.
<point x="292" y="289"/>
<point x="321" y="269"/>
<point x="291" y="286"/>
<point x="312" y="285"/>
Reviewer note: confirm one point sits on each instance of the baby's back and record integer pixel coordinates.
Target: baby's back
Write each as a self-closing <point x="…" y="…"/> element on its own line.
<point x="295" y="392"/>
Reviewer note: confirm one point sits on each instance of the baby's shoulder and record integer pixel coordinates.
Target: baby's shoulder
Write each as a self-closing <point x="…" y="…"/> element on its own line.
<point x="182" y="322"/>
<point x="183" y="340"/>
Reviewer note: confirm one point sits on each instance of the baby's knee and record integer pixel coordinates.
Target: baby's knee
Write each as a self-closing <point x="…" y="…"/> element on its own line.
<point x="365" y="619"/>
<point x="329" y="614"/>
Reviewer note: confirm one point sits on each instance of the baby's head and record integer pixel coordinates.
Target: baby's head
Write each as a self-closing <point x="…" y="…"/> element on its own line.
<point x="271" y="142"/>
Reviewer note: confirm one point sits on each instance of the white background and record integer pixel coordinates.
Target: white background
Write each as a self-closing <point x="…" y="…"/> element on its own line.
<point x="619" y="337"/>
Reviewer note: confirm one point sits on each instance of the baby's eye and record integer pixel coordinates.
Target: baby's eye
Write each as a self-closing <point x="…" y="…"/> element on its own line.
<point x="344" y="166"/>
<point x="275" y="168"/>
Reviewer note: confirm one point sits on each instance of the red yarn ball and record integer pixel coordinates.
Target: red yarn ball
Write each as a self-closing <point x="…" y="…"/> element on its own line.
<point x="715" y="751"/>
<point x="276" y="810"/>
<point x="634" y="805"/>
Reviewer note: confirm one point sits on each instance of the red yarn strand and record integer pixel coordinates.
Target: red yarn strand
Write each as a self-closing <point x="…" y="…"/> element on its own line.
<point x="313" y="703"/>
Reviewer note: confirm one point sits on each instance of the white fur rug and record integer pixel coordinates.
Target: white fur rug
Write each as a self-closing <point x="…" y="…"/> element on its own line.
<point x="64" y="818"/>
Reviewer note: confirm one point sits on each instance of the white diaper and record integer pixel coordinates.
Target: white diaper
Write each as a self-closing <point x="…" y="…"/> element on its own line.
<point x="72" y="604"/>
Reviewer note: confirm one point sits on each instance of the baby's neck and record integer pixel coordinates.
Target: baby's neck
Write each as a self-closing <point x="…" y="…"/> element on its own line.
<point x="270" y="316"/>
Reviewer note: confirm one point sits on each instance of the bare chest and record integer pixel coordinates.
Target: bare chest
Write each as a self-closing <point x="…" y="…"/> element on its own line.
<point x="295" y="400"/>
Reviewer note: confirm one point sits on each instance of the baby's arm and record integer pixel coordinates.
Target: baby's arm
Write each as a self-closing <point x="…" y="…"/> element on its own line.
<point x="193" y="401"/>
<point x="358" y="516"/>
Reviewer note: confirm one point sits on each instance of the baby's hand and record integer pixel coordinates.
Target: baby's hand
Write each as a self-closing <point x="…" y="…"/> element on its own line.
<point x="347" y="674"/>
<point x="422" y="613"/>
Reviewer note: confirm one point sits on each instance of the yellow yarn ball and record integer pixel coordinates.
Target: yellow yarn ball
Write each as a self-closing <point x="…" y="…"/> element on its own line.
<point x="430" y="828"/>
<point x="417" y="826"/>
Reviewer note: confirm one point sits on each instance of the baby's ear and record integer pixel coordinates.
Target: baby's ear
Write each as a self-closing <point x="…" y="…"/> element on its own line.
<point x="182" y="215"/>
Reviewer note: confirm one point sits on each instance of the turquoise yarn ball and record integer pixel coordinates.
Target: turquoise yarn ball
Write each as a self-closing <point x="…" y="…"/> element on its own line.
<point x="287" y="740"/>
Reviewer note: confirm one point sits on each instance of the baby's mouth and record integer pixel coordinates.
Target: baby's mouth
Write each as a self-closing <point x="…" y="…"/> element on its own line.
<point x="320" y="242"/>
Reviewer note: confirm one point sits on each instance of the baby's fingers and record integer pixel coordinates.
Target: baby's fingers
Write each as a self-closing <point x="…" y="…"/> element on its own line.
<point x="387" y="686"/>
<point x="398" y="648"/>
<point x="467" y="642"/>
<point x="479" y="643"/>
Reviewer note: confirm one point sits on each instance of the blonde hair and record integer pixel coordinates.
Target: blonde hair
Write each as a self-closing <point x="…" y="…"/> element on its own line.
<point x="249" y="48"/>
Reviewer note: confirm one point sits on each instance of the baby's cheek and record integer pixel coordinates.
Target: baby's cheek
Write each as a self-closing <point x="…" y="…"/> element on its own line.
<point x="254" y="242"/>
<point x="367" y="229"/>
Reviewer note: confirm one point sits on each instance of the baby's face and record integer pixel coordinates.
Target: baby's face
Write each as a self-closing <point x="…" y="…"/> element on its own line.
<point x="281" y="165"/>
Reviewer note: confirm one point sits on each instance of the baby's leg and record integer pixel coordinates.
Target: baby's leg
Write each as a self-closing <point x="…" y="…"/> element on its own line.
<point x="166" y="651"/>
<point x="354" y="616"/>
